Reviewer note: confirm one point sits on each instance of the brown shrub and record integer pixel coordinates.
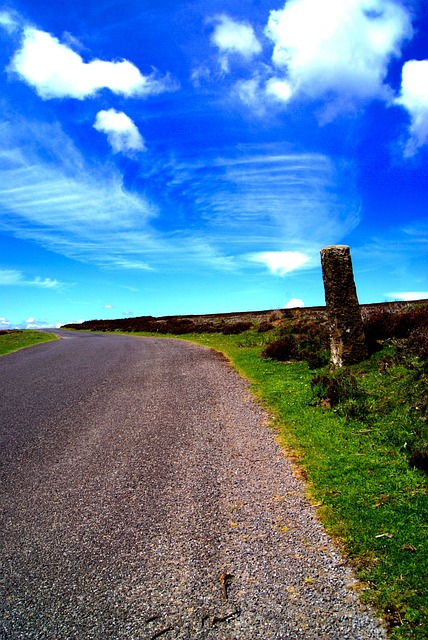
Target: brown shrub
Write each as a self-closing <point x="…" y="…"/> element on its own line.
<point x="419" y="459"/>
<point x="283" y="349"/>
<point x="386" y="323"/>
<point x="235" y="328"/>
<point x="265" y="326"/>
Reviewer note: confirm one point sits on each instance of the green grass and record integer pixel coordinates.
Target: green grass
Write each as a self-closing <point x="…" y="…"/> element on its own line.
<point x="357" y="469"/>
<point x="20" y="339"/>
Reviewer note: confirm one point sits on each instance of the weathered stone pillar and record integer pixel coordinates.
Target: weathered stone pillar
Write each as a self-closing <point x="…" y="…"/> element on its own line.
<point x="347" y="339"/>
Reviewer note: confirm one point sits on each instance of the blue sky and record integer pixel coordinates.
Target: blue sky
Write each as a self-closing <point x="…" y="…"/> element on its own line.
<point x="164" y="157"/>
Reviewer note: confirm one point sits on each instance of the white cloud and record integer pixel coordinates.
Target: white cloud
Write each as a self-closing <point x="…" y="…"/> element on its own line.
<point x="29" y="323"/>
<point x="56" y="71"/>
<point x="33" y="323"/>
<point x="408" y="295"/>
<point x="339" y="47"/>
<point x="279" y="89"/>
<point x="281" y="262"/>
<point x="414" y="98"/>
<point x="232" y="37"/>
<point x="14" y="278"/>
<point x="293" y="303"/>
<point x="122" y="133"/>
<point x="108" y="306"/>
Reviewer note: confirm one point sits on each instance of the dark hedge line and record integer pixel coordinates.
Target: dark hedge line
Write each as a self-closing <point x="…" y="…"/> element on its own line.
<point x="175" y="324"/>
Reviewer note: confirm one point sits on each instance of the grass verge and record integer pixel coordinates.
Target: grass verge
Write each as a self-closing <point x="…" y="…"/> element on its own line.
<point x="14" y="340"/>
<point x="356" y="467"/>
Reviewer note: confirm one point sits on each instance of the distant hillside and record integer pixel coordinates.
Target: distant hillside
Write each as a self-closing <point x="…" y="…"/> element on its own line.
<point x="235" y="322"/>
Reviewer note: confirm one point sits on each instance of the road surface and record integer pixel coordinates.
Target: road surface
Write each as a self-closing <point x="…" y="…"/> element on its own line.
<point x="144" y="496"/>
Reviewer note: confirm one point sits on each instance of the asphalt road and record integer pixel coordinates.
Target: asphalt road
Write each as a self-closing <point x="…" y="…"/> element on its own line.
<point x="142" y="497"/>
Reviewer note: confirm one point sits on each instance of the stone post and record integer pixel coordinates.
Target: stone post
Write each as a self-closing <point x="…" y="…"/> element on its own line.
<point x="347" y="339"/>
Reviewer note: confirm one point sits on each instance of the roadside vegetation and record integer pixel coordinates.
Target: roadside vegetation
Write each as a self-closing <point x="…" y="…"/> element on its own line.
<point x="359" y="438"/>
<point x="15" y="339"/>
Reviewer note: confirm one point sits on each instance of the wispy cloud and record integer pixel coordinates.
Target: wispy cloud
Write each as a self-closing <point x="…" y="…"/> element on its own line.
<point x="408" y="295"/>
<point x="246" y="200"/>
<point x="84" y="212"/>
<point x="398" y="256"/>
<point x="14" y="278"/>
<point x="9" y="21"/>
<point x="122" y="133"/>
<point x="65" y="205"/>
<point x="56" y="71"/>
<point x="260" y="198"/>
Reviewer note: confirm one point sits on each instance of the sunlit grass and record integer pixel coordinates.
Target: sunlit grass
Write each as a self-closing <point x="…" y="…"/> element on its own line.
<point x="16" y="340"/>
